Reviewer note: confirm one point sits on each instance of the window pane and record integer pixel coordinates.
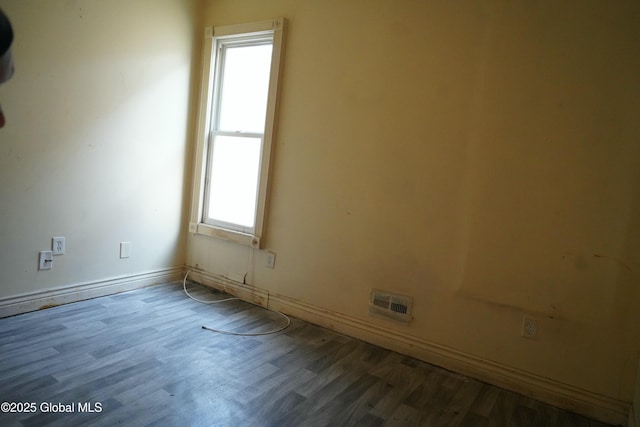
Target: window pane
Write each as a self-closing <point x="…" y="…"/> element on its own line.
<point x="234" y="179"/>
<point x="245" y="86"/>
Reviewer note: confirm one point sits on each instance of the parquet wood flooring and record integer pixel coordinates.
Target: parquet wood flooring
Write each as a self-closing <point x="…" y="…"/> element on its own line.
<point x="144" y="358"/>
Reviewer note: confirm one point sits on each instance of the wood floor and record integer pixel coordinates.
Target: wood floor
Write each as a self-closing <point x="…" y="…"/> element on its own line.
<point x="141" y="358"/>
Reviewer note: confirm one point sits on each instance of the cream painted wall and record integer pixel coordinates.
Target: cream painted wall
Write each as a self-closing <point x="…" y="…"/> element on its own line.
<point x="482" y="158"/>
<point x="96" y="142"/>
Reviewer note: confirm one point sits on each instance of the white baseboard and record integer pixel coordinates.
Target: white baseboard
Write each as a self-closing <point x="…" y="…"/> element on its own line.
<point x="566" y="396"/>
<point x="634" y="413"/>
<point x="42" y="299"/>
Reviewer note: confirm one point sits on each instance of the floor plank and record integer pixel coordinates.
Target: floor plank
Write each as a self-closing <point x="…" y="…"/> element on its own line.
<point x="144" y="357"/>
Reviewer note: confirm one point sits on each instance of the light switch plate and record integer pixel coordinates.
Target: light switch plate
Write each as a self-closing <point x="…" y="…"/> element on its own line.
<point x="45" y="260"/>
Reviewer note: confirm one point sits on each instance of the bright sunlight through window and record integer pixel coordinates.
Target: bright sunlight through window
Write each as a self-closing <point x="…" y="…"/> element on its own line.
<point x="235" y="130"/>
<point x="243" y="87"/>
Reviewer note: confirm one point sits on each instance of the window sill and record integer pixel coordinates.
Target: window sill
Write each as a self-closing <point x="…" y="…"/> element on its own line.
<point x="224" y="234"/>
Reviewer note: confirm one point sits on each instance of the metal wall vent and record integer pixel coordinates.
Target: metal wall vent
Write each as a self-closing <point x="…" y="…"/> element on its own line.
<point x="390" y="305"/>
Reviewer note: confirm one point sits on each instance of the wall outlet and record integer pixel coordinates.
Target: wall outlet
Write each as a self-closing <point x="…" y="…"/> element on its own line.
<point x="529" y="327"/>
<point x="45" y="260"/>
<point x="58" y="245"/>
<point x="271" y="260"/>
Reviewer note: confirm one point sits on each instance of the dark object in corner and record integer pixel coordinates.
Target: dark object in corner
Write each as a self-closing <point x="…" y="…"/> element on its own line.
<point x="6" y="33"/>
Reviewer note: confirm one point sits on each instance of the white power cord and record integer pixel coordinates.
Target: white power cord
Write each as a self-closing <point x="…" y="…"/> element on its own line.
<point x="184" y="286"/>
<point x="243" y="334"/>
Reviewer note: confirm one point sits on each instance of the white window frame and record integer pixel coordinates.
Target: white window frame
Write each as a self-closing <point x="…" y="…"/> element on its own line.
<point x="205" y="131"/>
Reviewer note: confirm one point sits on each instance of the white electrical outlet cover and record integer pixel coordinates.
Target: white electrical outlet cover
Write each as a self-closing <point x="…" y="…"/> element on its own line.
<point x="529" y="327"/>
<point x="125" y="249"/>
<point x="58" y="245"/>
<point x="271" y="260"/>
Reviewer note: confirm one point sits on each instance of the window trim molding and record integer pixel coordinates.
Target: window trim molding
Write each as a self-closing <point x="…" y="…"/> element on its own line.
<point x="204" y="123"/>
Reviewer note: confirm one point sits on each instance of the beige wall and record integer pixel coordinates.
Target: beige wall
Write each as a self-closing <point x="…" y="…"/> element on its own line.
<point x="96" y="139"/>
<point x="480" y="157"/>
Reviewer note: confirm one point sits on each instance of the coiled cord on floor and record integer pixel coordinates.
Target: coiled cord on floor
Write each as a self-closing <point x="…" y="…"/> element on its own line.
<point x="243" y="334"/>
<point x="184" y="286"/>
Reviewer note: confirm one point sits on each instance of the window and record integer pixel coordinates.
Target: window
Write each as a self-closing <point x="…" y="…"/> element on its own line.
<point x="235" y="130"/>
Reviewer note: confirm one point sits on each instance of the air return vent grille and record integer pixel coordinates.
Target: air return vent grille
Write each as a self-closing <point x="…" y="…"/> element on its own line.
<point x="390" y="305"/>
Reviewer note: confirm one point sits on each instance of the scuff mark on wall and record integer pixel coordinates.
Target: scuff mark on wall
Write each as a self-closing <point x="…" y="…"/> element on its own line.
<point x="617" y="260"/>
<point x="553" y="312"/>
